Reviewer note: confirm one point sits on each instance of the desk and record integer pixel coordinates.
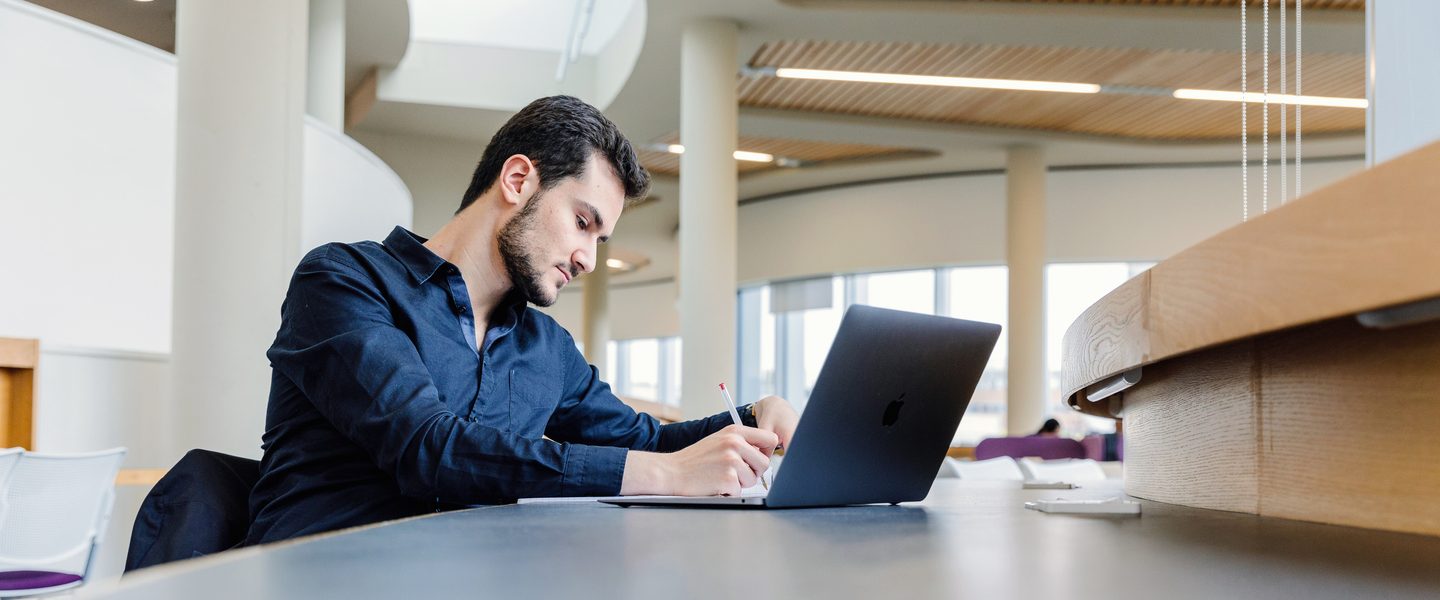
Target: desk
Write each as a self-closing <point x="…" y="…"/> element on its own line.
<point x="966" y="540"/>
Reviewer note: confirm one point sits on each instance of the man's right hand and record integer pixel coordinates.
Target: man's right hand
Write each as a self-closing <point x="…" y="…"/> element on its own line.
<point x="722" y="463"/>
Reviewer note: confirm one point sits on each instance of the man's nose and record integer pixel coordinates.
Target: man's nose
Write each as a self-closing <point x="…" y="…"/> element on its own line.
<point x="585" y="262"/>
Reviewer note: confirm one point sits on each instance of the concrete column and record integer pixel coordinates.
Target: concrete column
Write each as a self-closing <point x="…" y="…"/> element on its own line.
<point x="595" y="324"/>
<point x="1401" y="80"/>
<point x="241" y="108"/>
<point x="1025" y="256"/>
<point x="708" y="211"/>
<point x="325" y="82"/>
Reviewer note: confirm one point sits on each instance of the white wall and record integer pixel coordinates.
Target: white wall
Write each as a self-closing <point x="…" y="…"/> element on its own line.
<point x="1111" y="214"/>
<point x="95" y="399"/>
<point x="87" y="202"/>
<point x="436" y="170"/>
<point x="87" y="184"/>
<point x="1402" y="81"/>
<point x="350" y="194"/>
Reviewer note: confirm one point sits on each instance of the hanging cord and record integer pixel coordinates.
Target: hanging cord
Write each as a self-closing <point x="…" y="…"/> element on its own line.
<point x="1284" y="109"/>
<point x="1265" y="122"/>
<point x="1299" y="69"/>
<point x="1244" y="131"/>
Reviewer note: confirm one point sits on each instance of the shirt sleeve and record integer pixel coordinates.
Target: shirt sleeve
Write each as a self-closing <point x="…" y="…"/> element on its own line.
<point x="339" y="344"/>
<point x="590" y="413"/>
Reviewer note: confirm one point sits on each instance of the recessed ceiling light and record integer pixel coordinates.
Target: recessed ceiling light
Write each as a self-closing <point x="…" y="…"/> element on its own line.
<point x="744" y="155"/>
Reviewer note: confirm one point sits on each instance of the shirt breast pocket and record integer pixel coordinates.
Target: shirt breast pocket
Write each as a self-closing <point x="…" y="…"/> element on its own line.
<point x="532" y="400"/>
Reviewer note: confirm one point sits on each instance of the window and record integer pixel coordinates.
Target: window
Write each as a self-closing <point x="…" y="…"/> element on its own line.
<point x="786" y="329"/>
<point x="1069" y="290"/>
<point x="645" y="369"/>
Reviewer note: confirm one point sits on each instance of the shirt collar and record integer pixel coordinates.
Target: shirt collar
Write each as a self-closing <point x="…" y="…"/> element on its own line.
<point x="423" y="264"/>
<point x="411" y="251"/>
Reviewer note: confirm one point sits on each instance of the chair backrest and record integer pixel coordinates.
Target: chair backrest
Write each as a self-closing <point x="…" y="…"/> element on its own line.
<point x="1068" y="470"/>
<point x="1048" y="448"/>
<point x="201" y="506"/>
<point x="8" y="458"/>
<point x="1001" y="468"/>
<point x="59" y="505"/>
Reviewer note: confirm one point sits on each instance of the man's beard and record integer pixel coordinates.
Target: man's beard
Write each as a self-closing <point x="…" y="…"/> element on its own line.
<point x="518" y="254"/>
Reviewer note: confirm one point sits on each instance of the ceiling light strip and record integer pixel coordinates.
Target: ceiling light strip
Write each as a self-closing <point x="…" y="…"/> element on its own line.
<point x="936" y="80"/>
<point x="1052" y="86"/>
<point x="1292" y="99"/>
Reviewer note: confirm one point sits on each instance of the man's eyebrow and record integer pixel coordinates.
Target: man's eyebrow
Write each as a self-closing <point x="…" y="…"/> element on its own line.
<point x="595" y="216"/>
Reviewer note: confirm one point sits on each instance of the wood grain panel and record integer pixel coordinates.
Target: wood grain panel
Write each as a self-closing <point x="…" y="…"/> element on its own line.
<point x="1108" y="336"/>
<point x="1366" y="242"/>
<point x="17" y="408"/>
<point x="139" y="477"/>
<point x="1107" y="114"/>
<point x="6" y="389"/>
<point x="19" y="353"/>
<point x="1190" y="429"/>
<point x="663" y="412"/>
<point x="1363" y="243"/>
<point x="1376" y="393"/>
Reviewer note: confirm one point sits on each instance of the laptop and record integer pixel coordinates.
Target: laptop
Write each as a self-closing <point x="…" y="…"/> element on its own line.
<point x="880" y="418"/>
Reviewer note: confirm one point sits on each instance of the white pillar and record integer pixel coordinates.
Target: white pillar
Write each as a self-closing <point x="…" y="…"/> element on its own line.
<point x="1025" y="257"/>
<point x="1401" y="80"/>
<point x="325" y="81"/>
<point x="241" y="108"/>
<point x="595" y="324"/>
<point x="708" y="208"/>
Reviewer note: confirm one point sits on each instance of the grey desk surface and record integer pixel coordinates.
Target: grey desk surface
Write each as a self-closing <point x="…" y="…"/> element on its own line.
<point x="965" y="541"/>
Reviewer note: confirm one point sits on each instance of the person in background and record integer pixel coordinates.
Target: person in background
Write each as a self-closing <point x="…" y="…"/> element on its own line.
<point x="1051" y="428"/>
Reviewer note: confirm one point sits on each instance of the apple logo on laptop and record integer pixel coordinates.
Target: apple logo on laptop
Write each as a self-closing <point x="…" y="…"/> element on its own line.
<point x="892" y="411"/>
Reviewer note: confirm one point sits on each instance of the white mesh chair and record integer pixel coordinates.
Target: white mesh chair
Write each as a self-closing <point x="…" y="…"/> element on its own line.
<point x="8" y="458"/>
<point x="57" y="506"/>
<point x="1069" y="470"/>
<point x="1000" y="468"/>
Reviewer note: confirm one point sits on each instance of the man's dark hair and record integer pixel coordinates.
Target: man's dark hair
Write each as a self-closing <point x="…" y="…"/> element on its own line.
<point x="558" y="134"/>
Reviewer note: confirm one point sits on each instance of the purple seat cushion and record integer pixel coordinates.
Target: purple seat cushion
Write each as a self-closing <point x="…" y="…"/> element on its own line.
<point x="35" y="580"/>
<point x="1047" y="448"/>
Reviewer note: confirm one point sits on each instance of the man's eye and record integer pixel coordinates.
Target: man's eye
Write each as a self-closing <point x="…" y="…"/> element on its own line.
<point x="581" y="222"/>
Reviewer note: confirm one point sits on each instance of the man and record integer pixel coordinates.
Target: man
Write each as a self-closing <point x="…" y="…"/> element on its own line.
<point x="410" y="376"/>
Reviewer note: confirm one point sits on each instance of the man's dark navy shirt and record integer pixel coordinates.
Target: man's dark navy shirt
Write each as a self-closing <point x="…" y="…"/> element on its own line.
<point x="383" y="404"/>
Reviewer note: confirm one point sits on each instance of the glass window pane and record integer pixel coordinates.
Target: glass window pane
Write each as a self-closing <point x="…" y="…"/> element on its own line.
<point x="980" y="294"/>
<point x="912" y="291"/>
<point x="644" y="374"/>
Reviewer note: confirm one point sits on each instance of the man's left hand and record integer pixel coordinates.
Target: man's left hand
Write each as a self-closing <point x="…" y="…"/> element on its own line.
<point x="774" y="414"/>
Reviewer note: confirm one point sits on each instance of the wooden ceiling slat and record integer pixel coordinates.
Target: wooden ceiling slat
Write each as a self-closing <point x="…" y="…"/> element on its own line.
<point x="1337" y="5"/>
<point x="1142" y="117"/>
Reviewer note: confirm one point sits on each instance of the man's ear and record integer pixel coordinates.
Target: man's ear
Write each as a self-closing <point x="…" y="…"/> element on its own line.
<point x="518" y="179"/>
